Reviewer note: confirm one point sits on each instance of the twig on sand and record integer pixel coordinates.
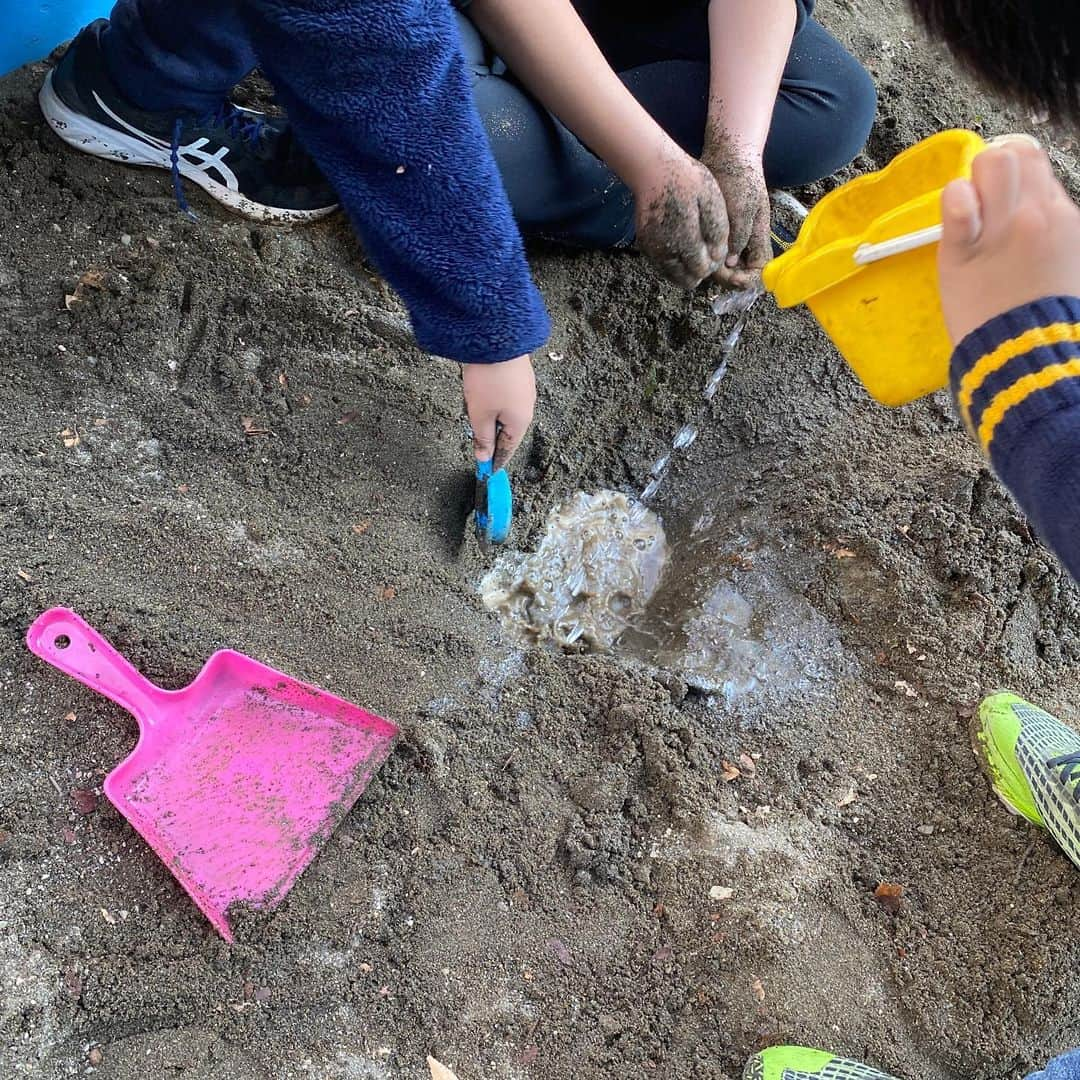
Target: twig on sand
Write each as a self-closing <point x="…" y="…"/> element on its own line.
<point x="1023" y="860"/>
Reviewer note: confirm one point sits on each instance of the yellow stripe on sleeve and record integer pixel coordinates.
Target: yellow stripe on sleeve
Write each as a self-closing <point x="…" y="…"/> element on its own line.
<point x="1019" y="392"/>
<point x="1054" y="334"/>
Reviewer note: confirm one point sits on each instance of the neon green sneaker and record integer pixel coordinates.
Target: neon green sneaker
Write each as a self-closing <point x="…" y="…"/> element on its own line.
<point x="802" y="1063"/>
<point x="1033" y="762"/>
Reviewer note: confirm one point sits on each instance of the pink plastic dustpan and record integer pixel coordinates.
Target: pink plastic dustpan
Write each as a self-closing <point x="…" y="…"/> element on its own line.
<point x="238" y="779"/>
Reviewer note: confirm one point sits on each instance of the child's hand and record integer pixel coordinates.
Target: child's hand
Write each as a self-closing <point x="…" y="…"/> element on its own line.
<point x="682" y="223"/>
<point x="503" y="394"/>
<point x="1011" y="236"/>
<point x="741" y="177"/>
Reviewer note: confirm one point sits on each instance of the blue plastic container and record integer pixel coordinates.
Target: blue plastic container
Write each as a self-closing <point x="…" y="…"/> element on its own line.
<point x="33" y="28"/>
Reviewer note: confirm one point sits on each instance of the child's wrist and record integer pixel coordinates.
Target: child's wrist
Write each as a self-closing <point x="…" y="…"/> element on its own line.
<point x="646" y="169"/>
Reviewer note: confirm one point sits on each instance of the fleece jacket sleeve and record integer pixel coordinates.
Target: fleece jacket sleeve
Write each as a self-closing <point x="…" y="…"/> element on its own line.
<point x="1016" y="382"/>
<point x="378" y="94"/>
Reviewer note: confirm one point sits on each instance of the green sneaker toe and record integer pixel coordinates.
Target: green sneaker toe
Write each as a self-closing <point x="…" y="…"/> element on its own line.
<point x="803" y="1063"/>
<point x="1033" y="762"/>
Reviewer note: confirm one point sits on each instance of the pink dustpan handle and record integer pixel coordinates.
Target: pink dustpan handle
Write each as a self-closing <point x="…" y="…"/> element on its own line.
<point x="64" y="640"/>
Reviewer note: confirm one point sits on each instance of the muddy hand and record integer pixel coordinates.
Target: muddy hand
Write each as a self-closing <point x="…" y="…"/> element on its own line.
<point x="741" y="178"/>
<point x="681" y="220"/>
<point x="500" y="399"/>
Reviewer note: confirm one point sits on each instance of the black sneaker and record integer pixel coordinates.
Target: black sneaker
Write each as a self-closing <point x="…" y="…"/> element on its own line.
<point x="250" y="163"/>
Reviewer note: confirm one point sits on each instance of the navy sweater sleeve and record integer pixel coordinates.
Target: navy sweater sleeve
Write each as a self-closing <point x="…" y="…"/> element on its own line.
<point x="378" y="93"/>
<point x="1016" y="382"/>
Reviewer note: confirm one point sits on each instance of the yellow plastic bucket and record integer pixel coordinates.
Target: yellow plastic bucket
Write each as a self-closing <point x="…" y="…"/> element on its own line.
<point x="885" y="317"/>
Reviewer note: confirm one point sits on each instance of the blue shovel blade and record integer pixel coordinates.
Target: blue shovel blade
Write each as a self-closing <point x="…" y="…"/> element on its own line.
<point x="494" y="504"/>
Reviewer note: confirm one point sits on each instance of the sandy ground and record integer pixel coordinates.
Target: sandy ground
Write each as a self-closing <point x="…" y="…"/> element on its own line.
<point x="524" y="891"/>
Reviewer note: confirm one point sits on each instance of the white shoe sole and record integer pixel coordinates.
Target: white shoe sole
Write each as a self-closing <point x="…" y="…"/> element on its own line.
<point x="79" y="131"/>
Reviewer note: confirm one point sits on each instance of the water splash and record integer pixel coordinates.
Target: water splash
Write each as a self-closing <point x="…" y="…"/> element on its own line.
<point x="597" y="565"/>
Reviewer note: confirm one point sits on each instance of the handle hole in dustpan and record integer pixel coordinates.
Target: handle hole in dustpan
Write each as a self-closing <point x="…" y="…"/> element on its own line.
<point x="62" y="641"/>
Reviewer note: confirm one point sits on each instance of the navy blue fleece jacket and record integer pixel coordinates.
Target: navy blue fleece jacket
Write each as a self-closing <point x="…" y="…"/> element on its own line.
<point x="1016" y="382"/>
<point x="379" y="95"/>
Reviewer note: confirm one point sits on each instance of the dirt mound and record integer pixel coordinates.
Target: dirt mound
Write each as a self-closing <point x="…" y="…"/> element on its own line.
<point x="573" y="865"/>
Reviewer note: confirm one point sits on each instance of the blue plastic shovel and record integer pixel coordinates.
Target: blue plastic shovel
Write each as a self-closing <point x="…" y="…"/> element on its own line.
<point x="494" y="504"/>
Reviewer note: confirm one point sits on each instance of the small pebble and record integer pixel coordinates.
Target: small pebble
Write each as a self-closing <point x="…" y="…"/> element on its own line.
<point x="125" y="239"/>
<point x="925" y="830"/>
<point x="95" y="1057"/>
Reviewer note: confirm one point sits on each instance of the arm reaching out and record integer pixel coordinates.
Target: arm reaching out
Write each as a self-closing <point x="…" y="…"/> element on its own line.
<point x="1010" y="288"/>
<point x="378" y="94"/>
<point x="681" y="219"/>
<point x="749" y="42"/>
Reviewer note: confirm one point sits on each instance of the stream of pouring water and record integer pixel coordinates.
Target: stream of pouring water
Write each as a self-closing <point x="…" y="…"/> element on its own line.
<point x="603" y="554"/>
<point x="730" y="303"/>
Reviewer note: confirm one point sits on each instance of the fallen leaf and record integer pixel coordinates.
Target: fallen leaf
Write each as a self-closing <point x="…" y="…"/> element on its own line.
<point x="95" y="1057"/>
<point x="93" y="279"/>
<point x="837" y="549"/>
<point x="22" y="575"/>
<point x="72" y="981"/>
<point x="439" y="1071"/>
<point x="305" y="399"/>
<point x="905" y="688"/>
<point x="758" y="989"/>
<point x="283" y="379"/>
<point x="848" y="798"/>
<point x="721" y="892"/>
<point x="729" y="772"/>
<point x="888" y="895"/>
<point x="348" y="418"/>
<point x="83" y="800"/>
<point x="69" y="835"/>
<point x="251" y="427"/>
<point x="70" y="437"/>
<point x="387" y="592"/>
<point x="748" y="766"/>
<point x="528" y="1055"/>
<point x="71" y="299"/>
<point x="658" y="911"/>
<point x="366" y="967"/>
<point x="108" y="916"/>
<point x="665" y="952"/>
<point x="184" y="489"/>
<point x="561" y="951"/>
<point x="361" y="527"/>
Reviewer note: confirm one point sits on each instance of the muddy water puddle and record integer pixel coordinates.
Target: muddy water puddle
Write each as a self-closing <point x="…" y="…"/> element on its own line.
<point x="713" y="601"/>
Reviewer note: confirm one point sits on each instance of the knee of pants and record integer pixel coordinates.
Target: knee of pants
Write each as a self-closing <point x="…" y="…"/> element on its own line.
<point x="818" y="129"/>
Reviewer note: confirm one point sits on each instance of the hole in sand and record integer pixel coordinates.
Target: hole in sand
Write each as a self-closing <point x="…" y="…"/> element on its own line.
<point x="62" y="641"/>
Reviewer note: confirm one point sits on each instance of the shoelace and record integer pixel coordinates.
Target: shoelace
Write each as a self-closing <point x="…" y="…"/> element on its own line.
<point x="1069" y="764"/>
<point x="236" y="121"/>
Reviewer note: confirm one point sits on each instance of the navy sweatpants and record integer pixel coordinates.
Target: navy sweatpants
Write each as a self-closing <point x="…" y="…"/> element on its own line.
<point x="187" y="57"/>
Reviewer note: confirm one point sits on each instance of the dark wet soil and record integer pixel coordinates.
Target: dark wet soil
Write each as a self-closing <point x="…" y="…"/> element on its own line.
<point x="228" y="440"/>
